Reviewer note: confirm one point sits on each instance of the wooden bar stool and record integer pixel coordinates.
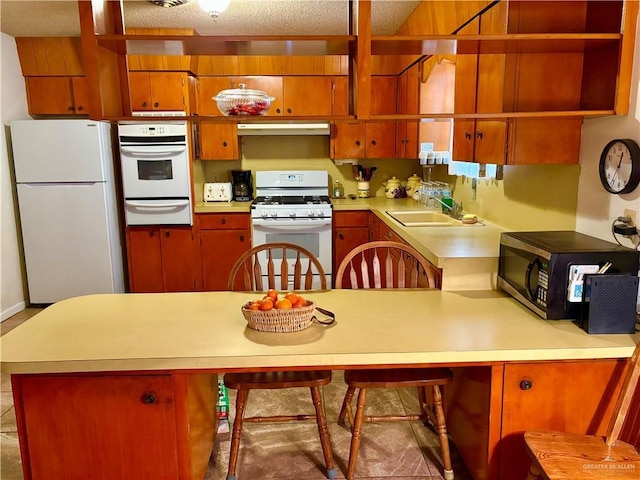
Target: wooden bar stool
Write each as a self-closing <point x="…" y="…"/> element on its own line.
<point x="387" y="264"/>
<point x="251" y="271"/>
<point x="565" y="456"/>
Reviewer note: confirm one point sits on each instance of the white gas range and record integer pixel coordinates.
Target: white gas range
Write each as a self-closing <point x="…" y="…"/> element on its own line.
<point x="294" y="207"/>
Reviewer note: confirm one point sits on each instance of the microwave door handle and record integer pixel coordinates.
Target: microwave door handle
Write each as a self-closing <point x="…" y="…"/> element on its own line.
<point x="152" y="153"/>
<point x="527" y="278"/>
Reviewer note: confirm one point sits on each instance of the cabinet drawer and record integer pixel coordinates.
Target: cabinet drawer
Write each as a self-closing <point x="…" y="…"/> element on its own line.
<point x="219" y="221"/>
<point x="351" y="219"/>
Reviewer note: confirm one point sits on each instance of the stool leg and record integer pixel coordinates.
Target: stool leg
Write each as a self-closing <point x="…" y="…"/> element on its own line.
<point x="422" y="399"/>
<point x="345" y="404"/>
<point x="441" y="428"/>
<point x="324" y="431"/>
<point x="241" y="403"/>
<point x="356" y="433"/>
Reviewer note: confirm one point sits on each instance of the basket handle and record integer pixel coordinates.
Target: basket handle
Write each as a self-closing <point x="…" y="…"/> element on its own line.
<point x="325" y="321"/>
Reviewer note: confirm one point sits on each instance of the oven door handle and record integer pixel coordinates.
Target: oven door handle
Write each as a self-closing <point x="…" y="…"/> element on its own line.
<point x="177" y="203"/>
<point x="150" y="152"/>
<point x="291" y="224"/>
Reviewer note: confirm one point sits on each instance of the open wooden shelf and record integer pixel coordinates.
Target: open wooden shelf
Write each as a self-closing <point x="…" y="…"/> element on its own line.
<point x="218" y="45"/>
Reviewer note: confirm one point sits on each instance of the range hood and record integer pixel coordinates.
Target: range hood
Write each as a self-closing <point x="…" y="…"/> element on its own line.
<point x="320" y="128"/>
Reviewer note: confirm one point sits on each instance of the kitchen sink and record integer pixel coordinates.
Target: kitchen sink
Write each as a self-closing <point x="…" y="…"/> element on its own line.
<point x="422" y="218"/>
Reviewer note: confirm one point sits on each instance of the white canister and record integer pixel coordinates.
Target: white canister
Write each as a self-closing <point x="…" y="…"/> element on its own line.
<point x="363" y="189"/>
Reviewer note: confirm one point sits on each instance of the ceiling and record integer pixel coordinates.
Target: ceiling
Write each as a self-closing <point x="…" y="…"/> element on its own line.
<point x="26" y="18"/>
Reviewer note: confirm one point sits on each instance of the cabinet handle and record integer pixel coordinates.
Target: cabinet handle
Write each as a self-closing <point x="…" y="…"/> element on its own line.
<point x="467" y="135"/>
<point x="341" y="236"/>
<point x="223" y="221"/>
<point x="152" y="233"/>
<point x="156" y="104"/>
<point x="288" y="110"/>
<point x="144" y="104"/>
<point x="242" y="238"/>
<point x="71" y="109"/>
<point x="277" y="110"/>
<point x="358" y="142"/>
<point x="526" y="385"/>
<point x="373" y="142"/>
<point x="167" y="234"/>
<point x="224" y="144"/>
<point x="80" y="108"/>
<point x="148" y="398"/>
<point x="479" y="134"/>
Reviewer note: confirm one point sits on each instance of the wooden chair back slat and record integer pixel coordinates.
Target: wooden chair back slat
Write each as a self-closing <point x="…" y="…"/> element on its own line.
<point x="621" y="409"/>
<point x="248" y="266"/>
<point x="377" y="280"/>
<point x="388" y="270"/>
<point x="404" y="267"/>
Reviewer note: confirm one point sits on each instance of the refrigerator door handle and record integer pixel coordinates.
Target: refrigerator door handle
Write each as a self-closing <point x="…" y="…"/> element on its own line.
<point x="59" y="184"/>
<point x="178" y="203"/>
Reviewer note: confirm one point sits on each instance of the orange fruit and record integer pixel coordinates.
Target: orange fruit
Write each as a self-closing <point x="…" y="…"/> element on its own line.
<point x="273" y="294"/>
<point x="301" y="302"/>
<point x="283" y="303"/>
<point x="292" y="297"/>
<point x="254" y="306"/>
<point x="266" y="305"/>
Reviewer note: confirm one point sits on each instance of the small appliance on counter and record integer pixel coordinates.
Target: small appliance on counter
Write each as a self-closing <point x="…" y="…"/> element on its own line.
<point x="545" y="271"/>
<point x="242" y="185"/>
<point x="218" y="192"/>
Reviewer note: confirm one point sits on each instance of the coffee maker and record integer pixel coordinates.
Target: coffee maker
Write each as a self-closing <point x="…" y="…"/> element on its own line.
<point x="242" y="185"/>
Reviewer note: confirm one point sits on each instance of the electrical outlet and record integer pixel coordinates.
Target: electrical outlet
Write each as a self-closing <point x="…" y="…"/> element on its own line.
<point x="633" y="215"/>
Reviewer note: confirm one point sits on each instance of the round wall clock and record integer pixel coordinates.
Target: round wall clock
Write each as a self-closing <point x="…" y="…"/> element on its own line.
<point x="620" y="166"/>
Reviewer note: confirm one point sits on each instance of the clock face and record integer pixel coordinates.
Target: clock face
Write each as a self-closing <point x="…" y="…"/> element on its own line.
<point x="619" y="167"/>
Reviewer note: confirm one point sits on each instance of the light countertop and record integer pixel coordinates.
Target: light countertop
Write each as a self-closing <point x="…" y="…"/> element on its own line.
<point x="176" y="331"/>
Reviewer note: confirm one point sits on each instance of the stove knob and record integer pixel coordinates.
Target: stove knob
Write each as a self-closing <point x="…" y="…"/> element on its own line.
<point x="292" y="213"/>
<point x="318" y="213"/>
<point x="264" y="213"/>
<point x="274" y="214"/>
<point x="310" y="212"/>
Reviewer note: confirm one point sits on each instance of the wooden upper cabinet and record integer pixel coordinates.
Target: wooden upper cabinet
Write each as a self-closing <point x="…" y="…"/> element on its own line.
<point x="44" y="56"/>
<point x="307" y="96"/>
<point x="57" y="95"/>
<point x="383" y="94"/>
<point x="218" y="141"/>
<point x="272" y="86"/>
<point x="340" y="95"/>
<point x="207" y="88"/>
<point x="159" y="91"/>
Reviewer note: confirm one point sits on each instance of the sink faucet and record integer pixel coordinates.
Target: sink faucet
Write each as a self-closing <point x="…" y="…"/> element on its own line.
<point x="454" y="210"/>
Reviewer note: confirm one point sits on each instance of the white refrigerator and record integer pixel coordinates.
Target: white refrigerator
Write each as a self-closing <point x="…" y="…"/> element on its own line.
<point x="66" y="188"/>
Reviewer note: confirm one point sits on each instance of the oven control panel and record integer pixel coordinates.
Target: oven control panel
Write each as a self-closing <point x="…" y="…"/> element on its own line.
<point x="291" y="178"/>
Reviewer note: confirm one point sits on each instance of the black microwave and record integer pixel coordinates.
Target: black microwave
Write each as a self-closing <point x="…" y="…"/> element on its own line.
<point x="543" y="270"/>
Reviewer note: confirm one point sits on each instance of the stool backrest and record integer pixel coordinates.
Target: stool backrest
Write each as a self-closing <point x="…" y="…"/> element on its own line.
<point x="624" y="419"/>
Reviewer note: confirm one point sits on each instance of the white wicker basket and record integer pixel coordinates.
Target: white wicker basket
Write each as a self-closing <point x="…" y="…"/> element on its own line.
<point x="280" y="320"/>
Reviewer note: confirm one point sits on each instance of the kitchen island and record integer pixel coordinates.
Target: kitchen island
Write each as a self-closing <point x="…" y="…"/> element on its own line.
<point x="136" y="372"/>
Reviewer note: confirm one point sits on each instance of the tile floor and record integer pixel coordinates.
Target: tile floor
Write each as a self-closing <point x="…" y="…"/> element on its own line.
<point x="398" y="450"/>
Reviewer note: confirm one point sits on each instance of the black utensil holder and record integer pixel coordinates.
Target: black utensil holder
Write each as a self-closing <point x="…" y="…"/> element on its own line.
<point x="609" y="303"/>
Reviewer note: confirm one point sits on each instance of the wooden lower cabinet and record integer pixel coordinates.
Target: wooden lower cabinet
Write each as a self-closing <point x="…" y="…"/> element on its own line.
<point x="147" y="426"/>
<point x="489" y="408"/>
<point x="350" y="229"/>
<point x="162" y="259"/>
<point x="223" y="238"/>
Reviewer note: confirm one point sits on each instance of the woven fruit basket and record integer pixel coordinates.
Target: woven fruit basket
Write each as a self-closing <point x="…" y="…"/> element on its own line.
<point x="280" y="320"/>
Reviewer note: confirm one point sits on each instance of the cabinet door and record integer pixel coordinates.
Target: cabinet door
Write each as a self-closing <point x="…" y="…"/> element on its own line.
<point x="491" y="141"/>
<point x="220" y="250"/>
<point x="374" y="228"/>
<point x="145" y="260"/>
<point x="140" y="91"/>
<point x="49" y="95"/>
<point x="168" y="91"/>
<point x="464" y="134"/>
<point x="575" y="397"/>
<point x="207" y="88"/>
<point x="412" y="146"/>
<point x="100" y="427"/>
<point x="346" y="239"/>
<point x="544" y="141"/>
<point x="270" y="85"/>
<point x="307" y="96"/>
<point x="383" y="95"/>
<point x="80" y="95"/>
<point x="348" y="140"/>
<point x="380" y="140"/>
<point x="178" y="259"/>
<point x="218" y="141"/>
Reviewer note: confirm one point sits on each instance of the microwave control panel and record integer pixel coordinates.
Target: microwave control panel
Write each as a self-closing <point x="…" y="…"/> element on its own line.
<point x="543" y="287"/>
